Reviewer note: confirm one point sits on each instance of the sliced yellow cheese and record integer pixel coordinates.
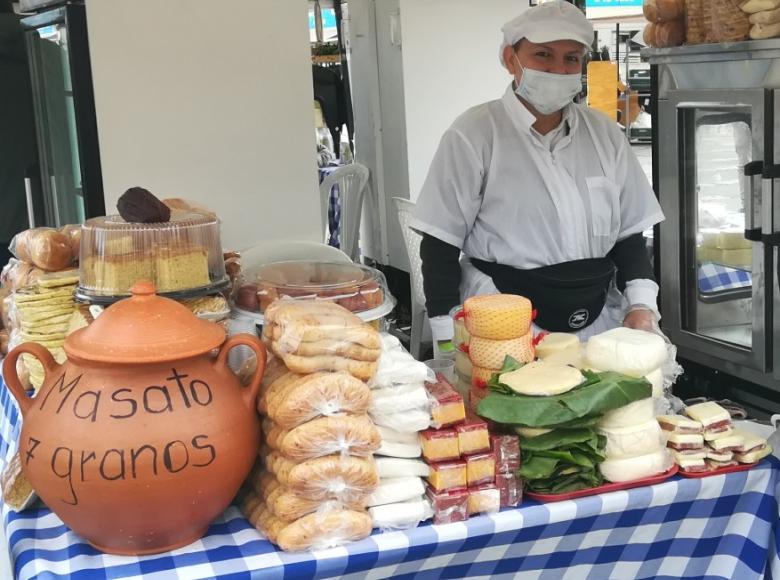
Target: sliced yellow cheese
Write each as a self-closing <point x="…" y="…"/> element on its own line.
<point x="542" y="379"/>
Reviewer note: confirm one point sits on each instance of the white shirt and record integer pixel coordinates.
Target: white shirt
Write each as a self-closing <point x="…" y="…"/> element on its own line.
<point x="501" y="192"/>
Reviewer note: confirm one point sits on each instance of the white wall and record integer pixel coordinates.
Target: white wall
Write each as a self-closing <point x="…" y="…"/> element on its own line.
<point x="450" y="63"/>
<point x="210" y="101"/>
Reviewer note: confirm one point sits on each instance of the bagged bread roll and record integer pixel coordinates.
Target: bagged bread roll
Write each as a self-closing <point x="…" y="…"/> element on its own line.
<point x="764" y="31"/>
<point x="288" y="323"/>
<point x="663" y="10"/>
<point x="17" y="490"/>
<point x="289" y="506"/>
<point x="293" y="398"/>
<point x="305" y="365"/>
<point x="342" y="435"/>
<point x="323" y="478"/>
<point x="668" y="34"/>
<point x="724" y="21"/>
<point x="49" y="249"/>
<point x="316" y="530"/>
<point x="343" y="348"/>
<point x="765" y="17"/>
<point x="756" y="6"/>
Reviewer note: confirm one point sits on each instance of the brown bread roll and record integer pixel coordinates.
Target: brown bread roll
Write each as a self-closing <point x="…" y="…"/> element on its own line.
<point x="342" y="435"/>
<point x="668" y="34"/>
<point x="50" y="250"/>
<point x="294" y="399"/>
<point x="319" y="530"/>
<point x="331" y="477"/>
<point x="663" y="10"/>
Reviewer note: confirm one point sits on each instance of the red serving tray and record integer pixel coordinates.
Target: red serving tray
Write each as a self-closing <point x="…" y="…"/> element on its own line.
<point x="720" y="470"/>
<point x="607" y="487"/>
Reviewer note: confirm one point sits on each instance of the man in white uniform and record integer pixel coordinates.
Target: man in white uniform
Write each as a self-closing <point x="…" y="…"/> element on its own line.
<point x="532" y="194"/>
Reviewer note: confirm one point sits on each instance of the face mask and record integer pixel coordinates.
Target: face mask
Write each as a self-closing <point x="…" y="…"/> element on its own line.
<point x="547" y="92"/>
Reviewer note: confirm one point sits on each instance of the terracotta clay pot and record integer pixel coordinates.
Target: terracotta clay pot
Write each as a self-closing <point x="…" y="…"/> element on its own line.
<point x="142" y="437"/>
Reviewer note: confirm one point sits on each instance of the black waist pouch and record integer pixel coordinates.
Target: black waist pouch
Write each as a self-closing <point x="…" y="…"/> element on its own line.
<point x="567" y="296"/>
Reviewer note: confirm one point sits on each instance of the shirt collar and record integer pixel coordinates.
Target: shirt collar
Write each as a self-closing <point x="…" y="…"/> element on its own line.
<point x="523" y="119"/>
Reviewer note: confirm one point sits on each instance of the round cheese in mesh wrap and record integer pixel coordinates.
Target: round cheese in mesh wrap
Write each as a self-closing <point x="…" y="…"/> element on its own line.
<point x="318" y="530"/>
<point x="342" y="434"/>
<point x="635" y="353"/>
<point x="638" y="439"/>
<point x="497" y="316"/>
<point x="294" y="399"/>
<point x="330" y="477"/>
<point x="490" y="354"/>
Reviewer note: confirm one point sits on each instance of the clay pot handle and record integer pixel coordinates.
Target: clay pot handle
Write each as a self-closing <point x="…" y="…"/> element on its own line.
<point x="11" y="377"/>
<point x="251" y="392"/>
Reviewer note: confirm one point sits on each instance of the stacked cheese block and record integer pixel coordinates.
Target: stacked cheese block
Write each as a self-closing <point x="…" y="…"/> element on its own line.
<point x="560" y="348"/>
<point x="705" y="440"/>
<point x="319" y="469"/>
<point x="400" y="409"/>
<point x="464" y="460"/>
<point x="635" y="448"/>
<point x="499" y="325"/>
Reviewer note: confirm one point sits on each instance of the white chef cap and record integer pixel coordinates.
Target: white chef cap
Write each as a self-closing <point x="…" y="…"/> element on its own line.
<point x="553" y="20"/>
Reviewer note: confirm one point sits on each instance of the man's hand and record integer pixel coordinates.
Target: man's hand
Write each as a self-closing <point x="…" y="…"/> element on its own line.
<point x="641" y="319"/>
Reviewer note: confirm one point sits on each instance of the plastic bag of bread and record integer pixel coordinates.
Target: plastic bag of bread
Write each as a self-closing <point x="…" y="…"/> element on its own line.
<point x="724" y="21"/>
<point x="341" y="434"/>
<point x="45" y="248"/>
<point x="18" y="274"/>
<point x="319" y="530"/>
<point x="756" y="6"/>
<point x="17" y="491"/>
<point x="311" y="336"/>
<point x="663" y="10"/>
<point x="293" y="399"/>
<point x="289" y="506"/>
<point x="349" y="479"/>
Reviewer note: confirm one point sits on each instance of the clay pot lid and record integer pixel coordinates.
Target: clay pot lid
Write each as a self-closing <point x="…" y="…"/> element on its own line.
<point x="144" y="328"/>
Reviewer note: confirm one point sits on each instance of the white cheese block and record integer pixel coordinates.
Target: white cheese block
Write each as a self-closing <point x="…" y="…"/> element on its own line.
<point x="699" y="454"/>
<point x="405" y="421"/>
<point x="403" y="515"/>
<point x="750" y="440"/>
<point x="637" y="439"/>
<point x="389" y="467"/>
<point x="753" y="456"/>
<point x="542" y="379"/>
<point x="574" y="357"/>
<point x="403" y="450"/>
<point x="622" y="469"/>
<point x="387" y="434"/>
<point x="556" y="342"/>
<point x="635" y="353"/>
<point x="400" y="398"/>
<point x="708" y="414"/>
<point x="712" y="436"/>
<point x="656" y="378"/>
<point x="635" y="413"/>
<point x="396" y="490"/>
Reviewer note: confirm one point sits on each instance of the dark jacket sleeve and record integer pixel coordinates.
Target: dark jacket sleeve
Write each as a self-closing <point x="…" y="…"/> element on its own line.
<point x="632" y="261"/>
<point x="441" y="275"/>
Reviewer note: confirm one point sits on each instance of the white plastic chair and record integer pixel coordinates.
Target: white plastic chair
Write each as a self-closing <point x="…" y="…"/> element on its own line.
<point x="283" y="250"/>
<point x="420" y="325"/>
<point x="352" y="180"/>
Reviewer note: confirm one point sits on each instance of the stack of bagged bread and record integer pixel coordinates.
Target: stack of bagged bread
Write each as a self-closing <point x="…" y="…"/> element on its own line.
<point x="665" y="23"/>
<point x="400" y="409"/>
<point x="635" y="447"/>
<point x="763" y="16"/>
<point x="319" y="471"/>
<point x="499" y="325"/>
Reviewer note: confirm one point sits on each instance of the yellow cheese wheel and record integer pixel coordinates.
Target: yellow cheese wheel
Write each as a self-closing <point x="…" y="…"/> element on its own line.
<point x="480" y="375"/>
<point x="498" y="316"/>
<point x="490" y="354"/>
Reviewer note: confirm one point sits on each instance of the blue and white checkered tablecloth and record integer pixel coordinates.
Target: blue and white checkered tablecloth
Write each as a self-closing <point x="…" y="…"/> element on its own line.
<point x="718" y="527"/>
<point x="718" y="278"/>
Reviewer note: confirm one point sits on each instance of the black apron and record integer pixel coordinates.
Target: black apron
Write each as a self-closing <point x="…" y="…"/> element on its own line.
<point x="567" y="297"/>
